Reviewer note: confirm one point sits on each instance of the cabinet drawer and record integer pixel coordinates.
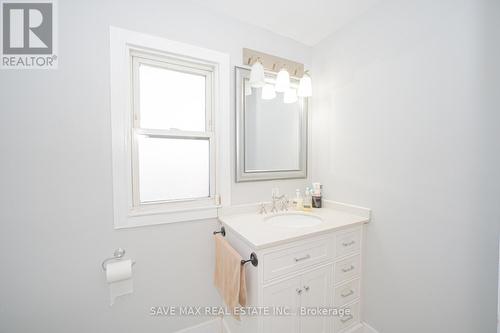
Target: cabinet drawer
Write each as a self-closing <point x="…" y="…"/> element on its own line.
<point x="347" y="268"/>
<point x="297" y="257"/>
<point x="348" y="320"/>
<point x="347" y="242"/>
<point x="347" y="292"/>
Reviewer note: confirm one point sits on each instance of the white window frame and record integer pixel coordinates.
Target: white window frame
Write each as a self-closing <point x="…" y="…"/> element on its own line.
<point x="154" y="60"/>
<point x="127" y="47"/>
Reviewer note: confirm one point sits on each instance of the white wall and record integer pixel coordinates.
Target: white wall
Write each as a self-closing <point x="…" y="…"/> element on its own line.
<point x="56" y="223"/>
<point x="406" y="114"/>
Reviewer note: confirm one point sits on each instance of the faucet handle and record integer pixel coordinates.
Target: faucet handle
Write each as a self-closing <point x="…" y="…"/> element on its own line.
<point x="285" y="203"/>
<point x="262" y="210"/>
<point x="274" y="209"/>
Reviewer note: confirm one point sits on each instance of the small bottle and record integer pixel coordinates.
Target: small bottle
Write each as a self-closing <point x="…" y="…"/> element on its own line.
<point x="317" y="196"/>
<point x="307" y="204"/>
<point x="297" y="201"/>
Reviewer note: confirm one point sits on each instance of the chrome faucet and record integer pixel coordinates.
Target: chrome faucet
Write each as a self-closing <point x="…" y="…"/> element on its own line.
<point x="282" y="199"/>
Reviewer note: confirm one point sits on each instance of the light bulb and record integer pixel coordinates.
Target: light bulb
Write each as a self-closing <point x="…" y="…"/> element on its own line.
<point x="257" y="78"/>
<point x="290" y="96"/>
<point x="305" y="86"/>
<point x="282" y="81"/>
<point x="268" y="92"/>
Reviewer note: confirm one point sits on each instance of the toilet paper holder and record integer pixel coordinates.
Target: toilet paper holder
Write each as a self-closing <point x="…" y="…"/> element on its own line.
<point x="118" y="255"/>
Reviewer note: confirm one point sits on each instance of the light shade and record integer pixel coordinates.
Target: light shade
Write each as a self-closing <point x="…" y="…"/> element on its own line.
<point x="282" y="81"/>
<point x="268" y="92"/>
<point x="257" y="78"/>
<point x="305" y="86"/>
<point x="290" y="96"/>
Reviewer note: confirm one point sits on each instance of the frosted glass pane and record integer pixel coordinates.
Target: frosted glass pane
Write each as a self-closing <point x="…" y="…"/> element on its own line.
<point x="171" y="99"/>
<point x="172" y="169"/>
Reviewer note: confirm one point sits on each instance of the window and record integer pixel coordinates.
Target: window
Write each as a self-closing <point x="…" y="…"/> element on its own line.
<point x="170" y="130"/>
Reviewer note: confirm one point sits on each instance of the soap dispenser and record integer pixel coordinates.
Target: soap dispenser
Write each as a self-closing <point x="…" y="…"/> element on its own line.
<point x="307" y="204"/>
<point x="298" y="201"/>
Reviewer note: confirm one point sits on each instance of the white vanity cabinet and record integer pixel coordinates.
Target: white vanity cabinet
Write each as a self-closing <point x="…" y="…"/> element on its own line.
<point x="314" y="272"/>
<point x="309" y="289"/>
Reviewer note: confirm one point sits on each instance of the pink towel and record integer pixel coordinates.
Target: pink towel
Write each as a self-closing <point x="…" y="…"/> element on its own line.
<point x="229" y="277"/>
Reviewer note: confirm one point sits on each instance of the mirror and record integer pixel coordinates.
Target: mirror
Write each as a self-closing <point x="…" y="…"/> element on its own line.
<point x="271" y="135"/>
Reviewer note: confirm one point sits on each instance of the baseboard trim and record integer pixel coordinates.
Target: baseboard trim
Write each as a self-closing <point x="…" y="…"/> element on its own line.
<point x="220" y="326"/>
<point x="225" y="327"/>
<point x="358" y="328"/>
<point x="361" y="328"/>
<point x="210" y="326"/>
<point x="368" y="329"/>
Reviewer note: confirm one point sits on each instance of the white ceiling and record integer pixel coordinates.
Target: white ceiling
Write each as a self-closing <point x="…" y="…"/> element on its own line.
<point x="305" y="21"/>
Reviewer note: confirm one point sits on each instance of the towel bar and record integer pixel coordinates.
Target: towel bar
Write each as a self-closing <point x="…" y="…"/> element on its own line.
<point x="222" y="232"/>
<point x="253" y="259"/>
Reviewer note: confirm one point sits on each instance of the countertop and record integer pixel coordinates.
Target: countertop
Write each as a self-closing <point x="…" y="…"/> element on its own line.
<point x="255" y="229"/>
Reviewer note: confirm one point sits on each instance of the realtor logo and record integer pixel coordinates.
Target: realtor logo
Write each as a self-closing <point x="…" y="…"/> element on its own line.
<point x="28" y="35"/>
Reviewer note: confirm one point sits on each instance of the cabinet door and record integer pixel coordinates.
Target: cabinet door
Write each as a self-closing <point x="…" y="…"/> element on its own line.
<point x="317" y="290"/>
<point x="278" y="296"/>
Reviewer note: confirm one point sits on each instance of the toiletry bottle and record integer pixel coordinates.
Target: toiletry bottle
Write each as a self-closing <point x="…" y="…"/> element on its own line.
<point x="307" y="204"/>
<point x="317" y="195"/>
<point x="297" y="201"/>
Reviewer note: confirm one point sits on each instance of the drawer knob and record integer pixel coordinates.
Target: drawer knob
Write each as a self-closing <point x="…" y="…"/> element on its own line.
<point x="348" y="269"/>
<point x="302" y="258"/>
<point x="299" y="291"/>
<point x="346" y="244"/>
<point x="346" y="319"/>
<point x="307" y="288"/>
<point x="347" y="294"/>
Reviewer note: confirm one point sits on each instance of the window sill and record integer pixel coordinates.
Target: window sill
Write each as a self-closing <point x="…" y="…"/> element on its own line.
<point x="141" y="218"/>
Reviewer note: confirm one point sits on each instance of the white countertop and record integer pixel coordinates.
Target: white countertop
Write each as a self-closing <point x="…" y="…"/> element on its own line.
<point x="259" y="233"/>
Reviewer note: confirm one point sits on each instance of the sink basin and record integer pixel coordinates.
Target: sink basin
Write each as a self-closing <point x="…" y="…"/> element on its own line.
<point x="294" y="220"/>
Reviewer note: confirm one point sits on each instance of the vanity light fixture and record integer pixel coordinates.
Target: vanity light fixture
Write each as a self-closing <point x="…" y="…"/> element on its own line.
<point x="261" y="62"/>
<point x="305" y="86"/>
<point x="282" y="81"/>
<point x="268" y="92"/>
<point x="290" y="96"/>
<point x="257" y="78"/>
